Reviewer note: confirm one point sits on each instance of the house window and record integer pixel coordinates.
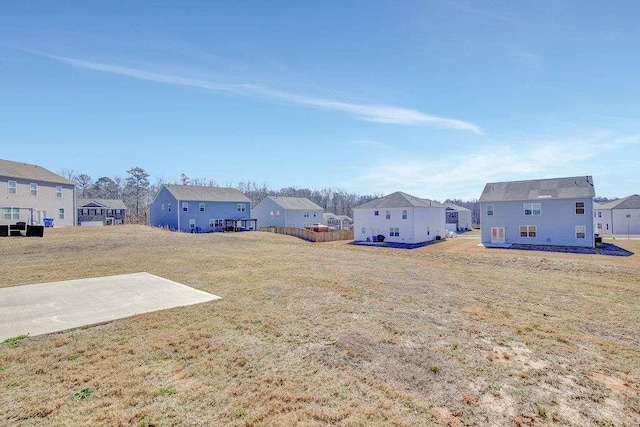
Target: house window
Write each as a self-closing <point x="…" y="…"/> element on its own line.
<point x="212" y="223"/>
<point x="185" y="206"/>
<point x="277" y="213"/>
<point x="241" y="207"/>
<point x="201" y="207"/>
<point x="118" y="211"/>
<point x="192" y="223"/>
<point x="581" y="231"/>
<point x="58" y="190"/>
<point x="11" y="213"/>
<point x="85" y="211"/>
<point x="599" y="214"/>
<point x="61" y="213"/>
<point x="169" y="207"/>
<point x="532" y="209"/>
<point x="394" y="231"/>
<point x="599" y="226"/>
<point x="404" y="214"/>
<point x="271" y="213"/>
<point x="388" y="214"/>
<point x="13" y="187"/>
<point x="306" y="214"/>
<point x="162" y="207"/>
<point x="579" y="208"/>
<point x="528" y="231"/>
<point x="34" y="189"/>
<point x="219" y="223"/>
<point x="489" y="210"/>
<point x="314" y="214"/>
<point x="364" y="230"/>
<point x="376" y="213"/>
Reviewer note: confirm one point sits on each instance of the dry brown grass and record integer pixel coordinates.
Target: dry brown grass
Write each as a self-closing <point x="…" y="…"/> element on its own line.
<point x="449" y="334"/>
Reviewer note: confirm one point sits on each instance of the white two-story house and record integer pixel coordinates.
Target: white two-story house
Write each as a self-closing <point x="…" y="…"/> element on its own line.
<point x="620" y="216"/>
<point x="400" y="218"/>
<point x="31" y="193"/>
<point x="557" y="211"/>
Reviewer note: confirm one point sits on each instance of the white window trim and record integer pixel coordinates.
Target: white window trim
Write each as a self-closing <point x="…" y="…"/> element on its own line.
<point x="201" y="207"/>
<point x="12" y="185"/>
<point x="492" y="210"/>
<point x="59" y="191"/>
<point x="584" y="228"/>
<point x="185" y="206"/>
<point x="528" y="228"/>
<point x="61" y="213"/>
<point x="532" y="206"/>
<point x="33" y="189"/>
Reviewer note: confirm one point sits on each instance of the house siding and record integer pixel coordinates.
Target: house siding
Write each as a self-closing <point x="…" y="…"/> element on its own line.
<point x="177" y="219"/>
<point x="554" y="226"/>
<point x="623" y="225"/>
<point x="287" y="217"/>
<point x="45" y="204"/>
<point x="421" y="225"/>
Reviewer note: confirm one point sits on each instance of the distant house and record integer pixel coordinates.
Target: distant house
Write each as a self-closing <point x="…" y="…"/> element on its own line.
<point x="31" y="193"/>
<point x="556" y="211"/>
<point x="458" y="217"/>
<point x="192" y="208"/>
<point x="400" y="218"/>
<point x="621" y="216"/>
<point x="276" y="211"/>
<point x="106" y="211"/>
<point x="337" y="222"/>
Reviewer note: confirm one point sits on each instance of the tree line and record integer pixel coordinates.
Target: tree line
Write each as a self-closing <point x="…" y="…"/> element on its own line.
<point x="137" y="192"/>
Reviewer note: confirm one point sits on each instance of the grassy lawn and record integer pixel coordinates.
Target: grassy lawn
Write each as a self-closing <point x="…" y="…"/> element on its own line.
<point x="323" y="333"/>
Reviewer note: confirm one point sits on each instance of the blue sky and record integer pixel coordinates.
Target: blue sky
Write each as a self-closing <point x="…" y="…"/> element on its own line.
<point x="433" y="98"/>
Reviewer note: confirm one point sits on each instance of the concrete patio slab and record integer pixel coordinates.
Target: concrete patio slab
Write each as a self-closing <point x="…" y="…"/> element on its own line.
<point x="52" y="307"/>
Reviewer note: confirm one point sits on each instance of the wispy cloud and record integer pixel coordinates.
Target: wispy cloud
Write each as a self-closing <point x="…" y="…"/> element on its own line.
<point x="465" y="175"/>
<point x="525" y="56"/>
<point x="371" y="112"/>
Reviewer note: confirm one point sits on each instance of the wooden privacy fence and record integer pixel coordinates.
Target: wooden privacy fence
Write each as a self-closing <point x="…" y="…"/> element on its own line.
<point x="312" y="236"/>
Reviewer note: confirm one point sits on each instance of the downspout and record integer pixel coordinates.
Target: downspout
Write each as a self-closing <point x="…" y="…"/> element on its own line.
<point x="178" y="211"/>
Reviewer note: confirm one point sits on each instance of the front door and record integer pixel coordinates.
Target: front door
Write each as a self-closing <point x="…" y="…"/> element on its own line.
<point x="497" y="234"/>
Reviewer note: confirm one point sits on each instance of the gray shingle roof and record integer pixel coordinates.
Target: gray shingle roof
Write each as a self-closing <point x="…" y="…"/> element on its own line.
<point x="457" y="208"/>
<point x="109" y="203"/>
<point x="295" y="203"/>
<point x="206" y="194"/>
<point x="577" y="187"/>
<point x="27" y="171"/>
<point x="629" y="202"/>
<point x="399" y="200"/>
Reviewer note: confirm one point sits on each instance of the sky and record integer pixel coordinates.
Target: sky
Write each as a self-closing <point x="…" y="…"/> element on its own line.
<point x="433" y="98"/>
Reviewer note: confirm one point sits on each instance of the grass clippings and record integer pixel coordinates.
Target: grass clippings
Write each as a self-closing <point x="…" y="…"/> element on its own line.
<point x="331" y="333"/>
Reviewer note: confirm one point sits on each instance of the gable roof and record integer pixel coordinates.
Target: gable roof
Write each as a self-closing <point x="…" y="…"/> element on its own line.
<point x="295" y="203"/>
<point x="107" y="203"/>
<point x="30" y="172"/>
<point x="629" y="202"/>
<point x="329" y="215"/>
<point x="206" y="194"/>
<point x="399" y="200"/>
<point x="577" y="187"/>
<point x="456" y="207"/>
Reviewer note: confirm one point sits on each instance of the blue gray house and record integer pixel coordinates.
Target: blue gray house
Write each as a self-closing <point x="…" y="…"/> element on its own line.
<point x="275" y="211"/>
<point x="196" y="209"/>
<point x="556" y="211"/>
